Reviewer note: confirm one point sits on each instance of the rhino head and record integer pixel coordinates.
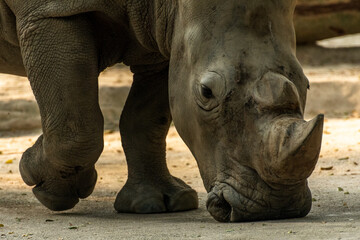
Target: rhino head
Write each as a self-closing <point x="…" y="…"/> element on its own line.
<point x="237" y="97"/>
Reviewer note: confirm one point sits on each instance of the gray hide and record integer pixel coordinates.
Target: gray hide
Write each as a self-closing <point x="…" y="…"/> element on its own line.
<point x="224" y="71"/>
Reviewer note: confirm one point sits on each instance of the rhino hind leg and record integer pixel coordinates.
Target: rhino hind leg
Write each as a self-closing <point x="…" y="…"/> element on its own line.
<point x="144" y="124"/>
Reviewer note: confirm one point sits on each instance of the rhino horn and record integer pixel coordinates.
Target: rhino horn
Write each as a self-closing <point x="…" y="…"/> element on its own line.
<point x="294" y="149"/>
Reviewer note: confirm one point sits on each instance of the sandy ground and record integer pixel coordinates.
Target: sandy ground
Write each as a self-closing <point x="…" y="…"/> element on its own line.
<point x="333" y="68"/>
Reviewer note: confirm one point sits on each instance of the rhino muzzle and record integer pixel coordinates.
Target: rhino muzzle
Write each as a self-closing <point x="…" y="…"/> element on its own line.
<point x="227" y="204"/>
<point x="275" y="187"/>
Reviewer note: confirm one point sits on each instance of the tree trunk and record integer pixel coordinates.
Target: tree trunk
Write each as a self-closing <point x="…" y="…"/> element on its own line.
<point x="320" y="19"/>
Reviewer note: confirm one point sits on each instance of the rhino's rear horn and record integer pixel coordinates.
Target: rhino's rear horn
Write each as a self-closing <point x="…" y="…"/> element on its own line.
<point x="274" y="91"/>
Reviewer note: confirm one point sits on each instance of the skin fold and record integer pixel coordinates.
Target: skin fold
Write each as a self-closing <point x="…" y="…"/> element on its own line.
<point x="224" y="72"/>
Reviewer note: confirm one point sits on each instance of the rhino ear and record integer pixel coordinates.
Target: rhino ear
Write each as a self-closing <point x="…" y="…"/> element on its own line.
<point x="274" y="92"/>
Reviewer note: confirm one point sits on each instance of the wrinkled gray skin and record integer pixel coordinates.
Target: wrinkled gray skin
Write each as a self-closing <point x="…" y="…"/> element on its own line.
<point x="224" y="71"/>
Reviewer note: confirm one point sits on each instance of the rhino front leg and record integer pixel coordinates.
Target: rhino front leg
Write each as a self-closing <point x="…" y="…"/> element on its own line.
<point x="60" y="57"/>
<point x="144" y="124"/>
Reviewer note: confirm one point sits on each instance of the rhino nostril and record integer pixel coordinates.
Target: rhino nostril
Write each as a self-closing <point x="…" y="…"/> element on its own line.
<point x="218" y="207"/>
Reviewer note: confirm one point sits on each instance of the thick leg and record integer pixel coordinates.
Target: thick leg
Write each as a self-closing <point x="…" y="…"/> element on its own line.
<point x="144" y="125"/>
<point x="61" y="61"/>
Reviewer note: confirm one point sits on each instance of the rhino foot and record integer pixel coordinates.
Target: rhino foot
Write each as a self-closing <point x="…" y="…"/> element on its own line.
<point x="56" y="187"/>
<point x="156" y="197"/>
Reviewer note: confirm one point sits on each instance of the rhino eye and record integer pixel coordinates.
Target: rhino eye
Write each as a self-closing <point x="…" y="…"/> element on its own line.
<point x="206" y="92"/>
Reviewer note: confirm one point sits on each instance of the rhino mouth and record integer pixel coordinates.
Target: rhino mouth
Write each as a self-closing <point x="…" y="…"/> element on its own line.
<point x="218" y="207"/>
<point x="272" y="184"/>
<point x="258" y="202"/>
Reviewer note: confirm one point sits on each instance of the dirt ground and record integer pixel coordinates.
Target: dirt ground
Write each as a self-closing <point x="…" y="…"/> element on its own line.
<point x="333" y="68"/>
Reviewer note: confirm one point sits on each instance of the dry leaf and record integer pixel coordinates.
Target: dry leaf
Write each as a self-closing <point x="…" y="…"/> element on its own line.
<point x="326" y="168"/>
<point x="109" y="131"/>
<point x="9" y="161"/>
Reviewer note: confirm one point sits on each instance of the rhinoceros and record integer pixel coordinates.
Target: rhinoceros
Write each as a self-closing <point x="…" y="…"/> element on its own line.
<point x="225" y="72"/>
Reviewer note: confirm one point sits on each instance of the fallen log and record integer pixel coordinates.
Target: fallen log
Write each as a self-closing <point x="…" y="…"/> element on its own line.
<point x="320" y="19"/>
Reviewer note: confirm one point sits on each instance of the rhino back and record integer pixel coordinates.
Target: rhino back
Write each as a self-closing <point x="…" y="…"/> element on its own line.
<point x="135" y="32"/>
